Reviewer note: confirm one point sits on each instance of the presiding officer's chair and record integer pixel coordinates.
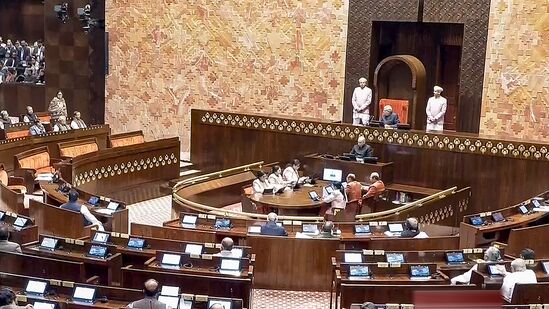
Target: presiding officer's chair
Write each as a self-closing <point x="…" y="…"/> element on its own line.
<point x="400" y="107"/>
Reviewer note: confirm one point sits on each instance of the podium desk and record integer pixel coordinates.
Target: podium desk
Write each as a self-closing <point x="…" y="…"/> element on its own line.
<point x="315" y="164"/>
<point x="292" y="202"/>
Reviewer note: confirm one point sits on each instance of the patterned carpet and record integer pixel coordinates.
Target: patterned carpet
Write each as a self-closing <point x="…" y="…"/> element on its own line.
<point x="156" y="211"/>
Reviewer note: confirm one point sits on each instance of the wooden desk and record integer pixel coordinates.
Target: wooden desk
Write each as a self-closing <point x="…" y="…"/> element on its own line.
<point x="31" y="265"/>
<point x="292" y="202"/>
<point x="481" y="276"/>
<point x="117" y="221"/>
<point x="472" y="236"/>
<point x="107" y="172"/>
<point x="108" y="269"/>
<point x="315" y="164"/>
<point x="23" y="235"/>
<point x="9" y="148"/>
<point x="534" y="237"/>
<point x="12" y="201"/>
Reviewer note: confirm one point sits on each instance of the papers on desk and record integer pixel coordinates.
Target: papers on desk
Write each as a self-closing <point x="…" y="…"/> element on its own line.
<point x="302" y="235"/>
<point x="541" y="209"/>
<point x="44" y="177"/>
<point x="389" y="234"/>
<point x="104" y="211"/>
<point x="308" y="185"/>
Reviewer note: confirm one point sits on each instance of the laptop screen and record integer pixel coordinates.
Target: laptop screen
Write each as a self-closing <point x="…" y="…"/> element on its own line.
<point x="395" y="227"/>
<point x="329" y="190"/>
<point x="36" y="287"/>
<point x="394" y="257"/>
<point x="230" y="264"/>
<point x="2" y="215"/>
<point x="189" y="219"/>
<point x="20" y="221"/>
<point x="171" y="301"/>
<point x="455" y="257"/>
<point x="419" y="271"/>
<point x="498" y="217"/>
<point x="98" y="251"/>
<point x="237" y="252"/>
<point x="310" y="228"/>
<point x="113" y="206"/>
<point x="171" y="259"/>
<point x="330" y="174"/>
<point x="168" y="290"/>
<point x="193" y="249"/>
<point x="546" y="267"/>
<point x="83" y="293"/>
<point x="536" y="203"/>
<point x="477" y="221"/>
<point x="94" y="200"/>
<point x="359" y="271"/>
<point x="185" y="304"/>
<point x="523" y="209"/>
<point x="101" y="238"/>
<point x="223" y="223"/>
<point x="493" y="270"/>
<point x="313" y="195"/>
<point x="136" y="243"/>
<point x="49" y="243"/>
<point x="43" y="305"/>
<point x="225" y="303"/>
<point x="352" y="257"/>
<point x="362" y="229"/>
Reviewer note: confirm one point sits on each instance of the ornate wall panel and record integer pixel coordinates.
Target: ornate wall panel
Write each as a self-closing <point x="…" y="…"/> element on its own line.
<point x="272" y="57"/>
<point x="516" y="84"/>
<point x="473" y="14"/>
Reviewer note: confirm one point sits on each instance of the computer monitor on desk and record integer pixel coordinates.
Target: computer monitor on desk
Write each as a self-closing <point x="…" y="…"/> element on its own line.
<point x="330" y="174"/>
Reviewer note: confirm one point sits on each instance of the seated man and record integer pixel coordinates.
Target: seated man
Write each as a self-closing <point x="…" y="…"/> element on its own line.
<point x="61" y="124"/>
<point x="389" y="118"/>
<point x="227" y="248"/>
<point x="361" y="149"/>
<point x="271" y="228"/>
<point x="8" y="300"/>
<point x="326" y="231"/>
<point x="376" y="188"/>
<point x="491" y="254"/>
<point x="30" y="116"/>
<point x="88" y="217"/>
<point x="77" y="122"/>
<point x="5" y="119"/>
<point x="519" y="274"/>
<point x="527" y="254"/>
<point x="411" y="229"/>
<point x="150" y="300"/>
<point x="37" y="128"/>
<point x="5" y="245"/>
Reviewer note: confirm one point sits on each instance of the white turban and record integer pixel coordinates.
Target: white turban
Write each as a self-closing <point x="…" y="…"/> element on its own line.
<point x="362" y="79"/>
<point x="374" y="174"/>
<point x="438" y="88"/>
<point x="388" y="108"/>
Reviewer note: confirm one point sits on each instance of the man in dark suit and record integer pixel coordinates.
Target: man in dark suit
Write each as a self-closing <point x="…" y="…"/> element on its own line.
<point x="150" y="301"/>
<point x="5" y="245"/>
<point x="271" y="228"/>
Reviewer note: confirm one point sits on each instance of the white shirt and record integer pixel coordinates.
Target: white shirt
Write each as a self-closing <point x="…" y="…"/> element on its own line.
<point x="227" y="253"/>
<point x="362" y="97"/>
<point x="421" y="235"/>
<point x="464" y="278"/>
<point x="260" y="186"/>
<point x="275" y="179"/>
<point x="78" y="124"/>
<point x="337" y="200"/>
<point x="527" y="276"/>
<point x="91" y="218"/>
<point x="436" y="108"/>
<point x="290" y="174"/>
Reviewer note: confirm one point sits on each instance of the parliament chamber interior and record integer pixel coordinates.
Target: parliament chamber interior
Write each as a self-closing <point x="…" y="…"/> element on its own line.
<point x="238" y="154"/>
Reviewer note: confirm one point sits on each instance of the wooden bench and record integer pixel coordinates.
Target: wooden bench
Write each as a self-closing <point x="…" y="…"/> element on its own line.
<point x="71" y="149"/>
<point x="31" y="163"/>
<point x="56" y="221"/>
<point x="125" y="139"/>
<point x="30" y="265"/>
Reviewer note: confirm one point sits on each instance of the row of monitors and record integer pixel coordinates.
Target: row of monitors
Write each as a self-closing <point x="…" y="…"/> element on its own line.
<point x="168" y="295"/>
<point x="499" y="217"/>
<point x="189" y="221"/>
<point x="453" y="257"/>
<point x="228" y="266"/>
<point x="19" y="223"/>
<point x="100" y="238"/>
<point x="65" y="188"/>
<point x="364" y="272"/>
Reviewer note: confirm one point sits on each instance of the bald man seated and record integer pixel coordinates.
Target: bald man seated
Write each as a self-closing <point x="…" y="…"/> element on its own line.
<point x="361" y="149"/>
<point x="217" y="306"/>
<point x="5" y="244"/>
<point x="151" y="290"/>
<point x="271" y="228"/>
<point x="227" y="249"/>
<point x="411" y="229"/>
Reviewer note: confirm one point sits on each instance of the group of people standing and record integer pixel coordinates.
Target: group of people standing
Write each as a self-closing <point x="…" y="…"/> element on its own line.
<point x="362" y="99"/>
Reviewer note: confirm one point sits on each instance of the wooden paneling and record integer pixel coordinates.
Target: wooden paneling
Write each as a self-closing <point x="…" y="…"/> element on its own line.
<point x="495" y="181"/>
<point x="22" y="20"/>
<point x="15" y="97"/>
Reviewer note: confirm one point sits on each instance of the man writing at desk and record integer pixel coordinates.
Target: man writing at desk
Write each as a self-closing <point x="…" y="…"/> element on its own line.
<point x="361" y="149"/>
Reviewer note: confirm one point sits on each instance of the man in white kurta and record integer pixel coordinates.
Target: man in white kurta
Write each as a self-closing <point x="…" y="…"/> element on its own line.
<point x="362" y="97"/>
<point x="436" y="108"/>
<point x="520" y="274"/>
